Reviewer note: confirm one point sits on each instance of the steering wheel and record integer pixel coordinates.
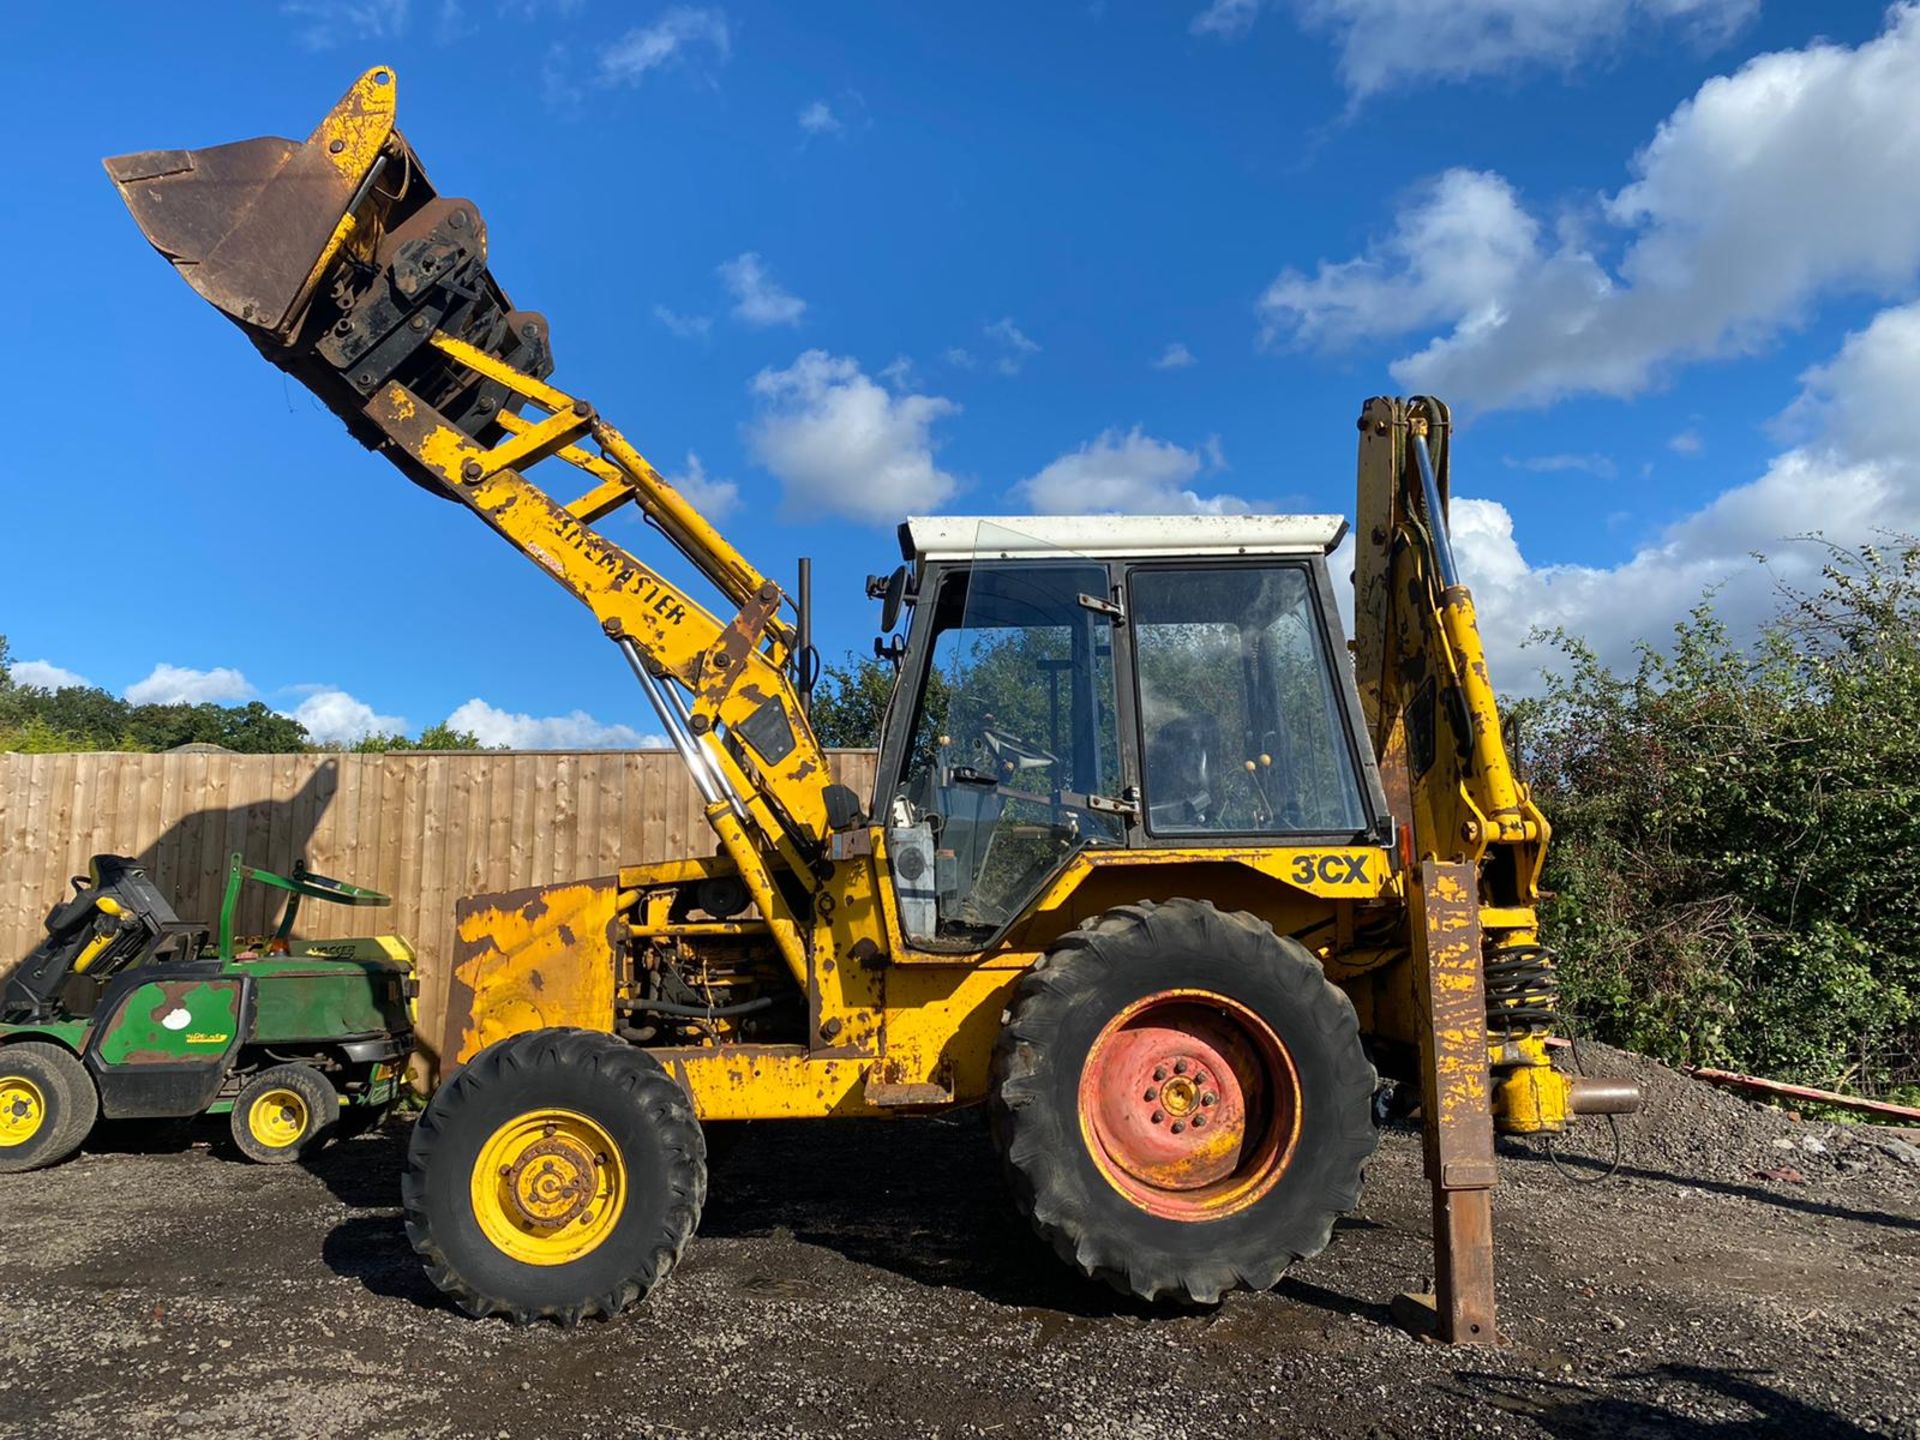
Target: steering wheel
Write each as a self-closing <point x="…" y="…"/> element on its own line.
<point x="1013" y="754"/>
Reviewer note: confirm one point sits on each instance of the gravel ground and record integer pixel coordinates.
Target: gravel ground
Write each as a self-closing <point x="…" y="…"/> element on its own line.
<point x="1742" y="1275"/>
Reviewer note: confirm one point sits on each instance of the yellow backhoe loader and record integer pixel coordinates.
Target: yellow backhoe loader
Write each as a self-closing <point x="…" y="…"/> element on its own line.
<point x="1152" y="867"/>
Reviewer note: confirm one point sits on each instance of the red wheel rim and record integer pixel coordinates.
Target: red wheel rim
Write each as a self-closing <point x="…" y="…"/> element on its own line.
<point x="1189" y="1105"/>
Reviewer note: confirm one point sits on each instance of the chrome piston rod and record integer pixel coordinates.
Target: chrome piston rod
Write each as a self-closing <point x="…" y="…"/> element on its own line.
<point x="707" y="778"/>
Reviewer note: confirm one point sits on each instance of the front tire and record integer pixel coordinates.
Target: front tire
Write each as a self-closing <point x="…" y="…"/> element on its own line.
<point x="47" y="1105"/>
<point x="558" y="1176"/>
<point x="1182" y="1101"/>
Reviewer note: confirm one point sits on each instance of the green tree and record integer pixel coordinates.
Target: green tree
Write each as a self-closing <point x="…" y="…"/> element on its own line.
<point x="434" y="737"/>
<point x="850" y="701"/>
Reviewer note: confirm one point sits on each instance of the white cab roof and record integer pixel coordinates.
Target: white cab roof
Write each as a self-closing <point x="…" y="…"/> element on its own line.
<point x="948" y="537"/>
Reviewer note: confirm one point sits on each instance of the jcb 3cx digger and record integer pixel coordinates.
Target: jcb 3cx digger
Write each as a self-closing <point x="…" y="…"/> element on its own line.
<point x="1151" y="868"/>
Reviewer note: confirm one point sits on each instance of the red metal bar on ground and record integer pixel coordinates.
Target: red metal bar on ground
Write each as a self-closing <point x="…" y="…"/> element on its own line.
<point x="1733" y="1080"/>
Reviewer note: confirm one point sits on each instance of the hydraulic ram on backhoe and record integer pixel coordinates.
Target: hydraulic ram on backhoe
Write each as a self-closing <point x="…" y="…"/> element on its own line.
<point x="1145" y="869"/>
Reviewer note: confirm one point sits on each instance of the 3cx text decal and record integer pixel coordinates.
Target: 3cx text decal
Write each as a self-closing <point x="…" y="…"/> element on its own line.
<point x="1349" y="869"/>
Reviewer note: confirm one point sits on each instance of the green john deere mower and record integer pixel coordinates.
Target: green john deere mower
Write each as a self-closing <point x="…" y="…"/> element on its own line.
<point x="126" y="1012"/>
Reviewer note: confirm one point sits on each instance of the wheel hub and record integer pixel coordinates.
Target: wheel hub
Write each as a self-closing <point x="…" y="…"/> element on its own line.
<point x="22" y="1107"/>
<point x="1189" y="1105"/>
<point x="549" y="1186"/>
<point x="278" y="1118"/>
<point x="552" y="1182"/>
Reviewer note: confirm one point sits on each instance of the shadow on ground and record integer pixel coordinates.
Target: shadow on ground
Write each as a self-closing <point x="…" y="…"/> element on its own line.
<point x="1745" y="1406"/>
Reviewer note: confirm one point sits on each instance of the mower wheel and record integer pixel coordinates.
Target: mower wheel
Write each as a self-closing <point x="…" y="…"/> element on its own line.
<point x="558" y="1176"/>
<point x="47" y="1105"/>
<point x="1182" y="1101"/>
<point x="285" y="1113"/>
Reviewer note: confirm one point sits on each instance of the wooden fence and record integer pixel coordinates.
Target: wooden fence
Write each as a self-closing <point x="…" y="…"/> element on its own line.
<point x="425" y="828"/>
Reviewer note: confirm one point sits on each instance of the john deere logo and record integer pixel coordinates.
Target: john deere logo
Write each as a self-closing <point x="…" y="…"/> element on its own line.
<point x="200" y="1038"/>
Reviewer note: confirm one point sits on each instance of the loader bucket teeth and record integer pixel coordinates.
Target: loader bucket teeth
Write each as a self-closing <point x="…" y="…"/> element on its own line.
<point x="253" y="225"/>
<point x="344" y="266"/>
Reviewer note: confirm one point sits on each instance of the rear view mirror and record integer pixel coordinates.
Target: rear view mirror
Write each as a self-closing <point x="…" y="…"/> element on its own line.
<point x="892" y="598"/>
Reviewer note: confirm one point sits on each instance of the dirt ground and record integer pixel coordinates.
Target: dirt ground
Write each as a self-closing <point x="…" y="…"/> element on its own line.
<point x="1742" y="1275"/>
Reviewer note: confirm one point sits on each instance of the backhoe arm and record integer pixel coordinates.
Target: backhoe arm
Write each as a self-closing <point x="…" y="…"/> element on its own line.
<point x="351" y="273"/>
<point x="1483" y="990"/>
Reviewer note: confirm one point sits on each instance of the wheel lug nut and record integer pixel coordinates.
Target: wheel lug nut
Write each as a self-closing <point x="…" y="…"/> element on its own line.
<point x="1178" y="1127"/>
<point x="1159" y="1072"/>
<point x="1156" y="1117"/>
<point x="1208" y="1098"/>
<point x="1198" y="1121"/>
<point x="1179" y="1067"/>
<point x="1153" y="1093"/>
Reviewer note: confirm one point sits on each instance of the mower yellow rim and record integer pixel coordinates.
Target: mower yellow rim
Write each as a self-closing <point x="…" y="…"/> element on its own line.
<point x="277" y="1118"/>
<point x="23" y="1110"/>
<point x="548" y="1187"/>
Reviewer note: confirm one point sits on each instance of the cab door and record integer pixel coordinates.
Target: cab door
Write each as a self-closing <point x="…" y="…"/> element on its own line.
<point x="1009" y="762"/>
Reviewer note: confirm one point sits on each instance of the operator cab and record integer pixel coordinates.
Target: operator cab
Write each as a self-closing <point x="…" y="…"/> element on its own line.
<point x="1081" y="682"/>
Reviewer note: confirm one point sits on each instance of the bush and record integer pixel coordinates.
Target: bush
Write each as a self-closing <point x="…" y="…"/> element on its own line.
<point x="1736" y="831"/>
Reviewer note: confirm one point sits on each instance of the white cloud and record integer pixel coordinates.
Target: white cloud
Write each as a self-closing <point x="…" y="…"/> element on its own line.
<point x="333" y="717"/>
<point x="712" y="497"/>
<point x="178" y="685"/>
<point x="1014" y="346"/>
<point x="323" y="24"/>
<point x="1226" y="19"/>
<point x="576" y="730"/>
<point x="959" y="357"/>
<point x="1854" y="476"/>
<point x="1765" y="191"/>
<point x="841" y="443"/>
<point x="1600" y="466"/>
<point x="1175" y="357"/>
<point x="674" y="38"/>
<point x="1383" y="43"/>
<point x="1687" y="442"/>
<point x="759" y="300"/>
<point x="686" y="327"/>
<point x="1131" y="473"/>
<point x="43" y="675"/>
<point x="819" y="119"/>
<point x="899" y="373"/>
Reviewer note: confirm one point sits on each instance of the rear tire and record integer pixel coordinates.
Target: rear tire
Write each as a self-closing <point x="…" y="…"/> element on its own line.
<point x="284" y="1114"/>
<point x="47" y="1105"/>
<point x="558" y="1176"/>
<point x="1182" y="1101"/>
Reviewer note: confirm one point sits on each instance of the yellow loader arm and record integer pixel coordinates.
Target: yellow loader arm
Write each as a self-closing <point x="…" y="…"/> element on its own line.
<point x="350" y="272"/>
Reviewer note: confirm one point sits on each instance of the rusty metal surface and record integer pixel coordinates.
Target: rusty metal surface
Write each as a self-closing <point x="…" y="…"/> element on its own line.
<point x="529" y="959"/>
<point x="245" y="224"/>
<point x="1456" y="1099"/>
<point x="723" y="665"/>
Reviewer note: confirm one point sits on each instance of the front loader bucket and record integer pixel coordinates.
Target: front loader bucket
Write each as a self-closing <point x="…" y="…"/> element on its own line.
<point x="342" y="264"/>
<point x="252" y="225"/>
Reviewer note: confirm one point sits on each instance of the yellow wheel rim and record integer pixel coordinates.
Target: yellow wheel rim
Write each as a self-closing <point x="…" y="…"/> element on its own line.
<point x="549" y="1186"/>
<point x="277" y="1118"/>
<point x="23" y="1110"/>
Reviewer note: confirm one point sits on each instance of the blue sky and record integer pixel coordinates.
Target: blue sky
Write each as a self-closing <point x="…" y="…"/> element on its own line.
<point x="862" y="260"/>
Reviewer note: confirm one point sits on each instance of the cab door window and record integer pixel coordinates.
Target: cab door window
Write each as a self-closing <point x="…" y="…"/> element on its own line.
<point x="1014" y="738"/>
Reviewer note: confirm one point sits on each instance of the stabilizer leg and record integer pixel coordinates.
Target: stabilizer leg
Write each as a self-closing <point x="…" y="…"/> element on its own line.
<point x="1456" y="1105"/>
